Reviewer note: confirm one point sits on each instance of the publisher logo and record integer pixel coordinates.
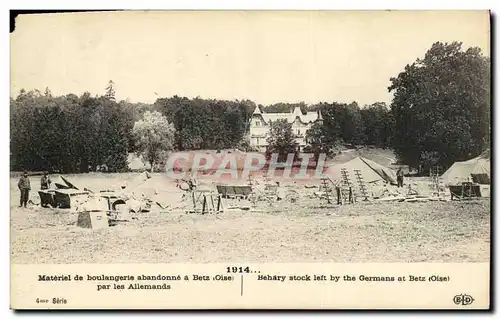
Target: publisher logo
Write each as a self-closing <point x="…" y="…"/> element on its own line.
<point x="463" y="300"/>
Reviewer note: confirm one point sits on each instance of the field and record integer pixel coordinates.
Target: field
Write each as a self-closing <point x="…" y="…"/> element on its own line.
<point x="304" y="231"/>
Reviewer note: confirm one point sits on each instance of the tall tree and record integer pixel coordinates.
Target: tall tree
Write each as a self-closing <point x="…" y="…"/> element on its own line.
<point x="377" y="124"/>
<point x="68" y="133"/>
<point x="206" y="124"/>
<point x="318" y="140"/>
<point x="154" y="136"/>
<point x="281" y="140"/>
<point x="110" y="90"/>
<point x="324" y="136"/>
<point x="441" y="106"/>
<point x="343" y="121"/>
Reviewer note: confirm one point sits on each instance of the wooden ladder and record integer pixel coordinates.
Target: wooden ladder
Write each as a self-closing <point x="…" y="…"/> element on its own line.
<point x="326" y="188"/>
<point x="436" y="180"/>
<point x="346" y="191"/>
<point x="362" y="186"/>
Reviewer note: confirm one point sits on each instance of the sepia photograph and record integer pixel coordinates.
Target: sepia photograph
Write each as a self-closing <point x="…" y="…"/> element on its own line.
<point x="233" y="137"/>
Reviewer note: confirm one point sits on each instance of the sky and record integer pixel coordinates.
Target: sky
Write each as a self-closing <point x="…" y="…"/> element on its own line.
<point x="264" y="56"/>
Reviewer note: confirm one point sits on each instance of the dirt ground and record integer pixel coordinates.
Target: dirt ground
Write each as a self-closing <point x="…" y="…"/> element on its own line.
<point x="305" y="231"/>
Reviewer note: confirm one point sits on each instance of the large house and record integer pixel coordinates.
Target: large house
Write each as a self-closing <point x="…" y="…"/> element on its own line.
<point x="260" y="125"/>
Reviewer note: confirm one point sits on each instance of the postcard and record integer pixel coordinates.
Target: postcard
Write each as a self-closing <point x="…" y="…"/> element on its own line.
<point x="251" y="160"/>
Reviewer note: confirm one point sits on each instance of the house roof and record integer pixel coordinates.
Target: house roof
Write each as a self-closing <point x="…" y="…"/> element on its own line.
<point x="290" y="117"/>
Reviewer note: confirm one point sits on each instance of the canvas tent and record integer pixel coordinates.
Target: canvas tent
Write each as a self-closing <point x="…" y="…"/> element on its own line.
<point x="476" y="169"/>
<point x="371" y="171"/>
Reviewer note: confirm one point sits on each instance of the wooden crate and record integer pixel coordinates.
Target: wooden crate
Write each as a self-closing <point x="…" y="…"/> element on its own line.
<point x="63" y="198"/>
<point x="466" y="190"/>
<point x="93" y="219"/>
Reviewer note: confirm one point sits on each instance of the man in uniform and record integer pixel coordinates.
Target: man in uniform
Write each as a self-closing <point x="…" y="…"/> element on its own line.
<point x="24" y="187"/>
<point x="45" y="181"/>
<point x="400" y="177"/>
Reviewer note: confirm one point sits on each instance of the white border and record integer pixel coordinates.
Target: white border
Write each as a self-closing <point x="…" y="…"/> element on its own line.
<point x="259" y="5"/>
<point x="186" y="5"/>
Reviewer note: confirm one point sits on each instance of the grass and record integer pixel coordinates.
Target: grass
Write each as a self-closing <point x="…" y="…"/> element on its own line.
<point x="304" y="231"/>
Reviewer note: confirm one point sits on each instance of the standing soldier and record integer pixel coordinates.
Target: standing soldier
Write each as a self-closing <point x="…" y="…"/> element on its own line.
<point x="24" y="187"/>
<point x="400" y="175"/>
<point x="45" y="181"/>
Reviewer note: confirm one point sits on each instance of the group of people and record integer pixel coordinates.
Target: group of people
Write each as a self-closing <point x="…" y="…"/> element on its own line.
<point x="24" y="186"/>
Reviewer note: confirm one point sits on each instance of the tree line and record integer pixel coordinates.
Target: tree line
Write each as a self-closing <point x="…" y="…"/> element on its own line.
<point x="68" y="133"/>
<point x="440" y="113"/>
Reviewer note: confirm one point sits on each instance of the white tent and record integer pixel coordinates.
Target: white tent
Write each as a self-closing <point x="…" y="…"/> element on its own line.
<point x="370" y="171"/>
<point x="476" y="168"/>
